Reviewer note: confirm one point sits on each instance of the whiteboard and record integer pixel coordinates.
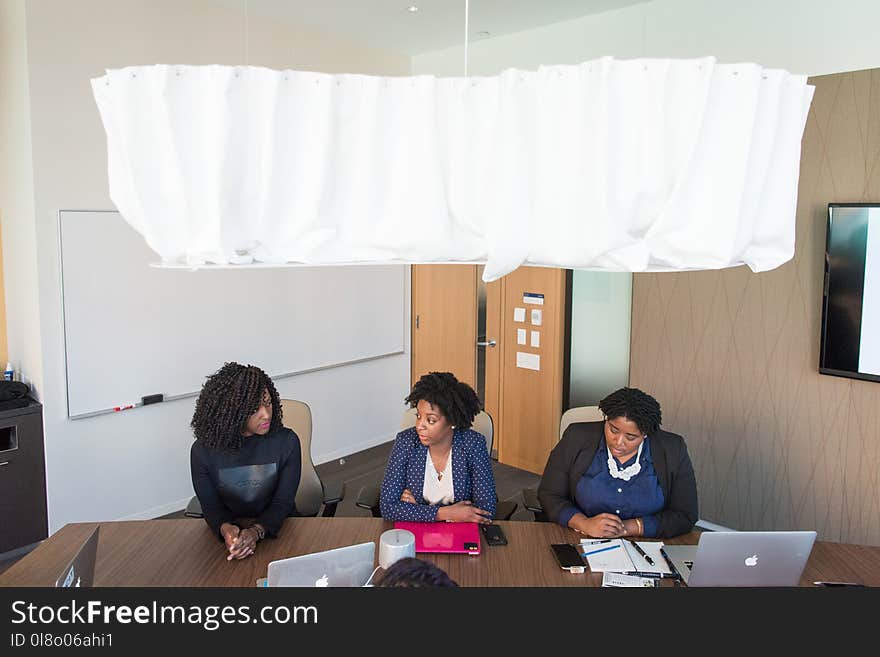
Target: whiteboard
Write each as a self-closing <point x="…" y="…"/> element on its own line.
<point x="133" y="330"/>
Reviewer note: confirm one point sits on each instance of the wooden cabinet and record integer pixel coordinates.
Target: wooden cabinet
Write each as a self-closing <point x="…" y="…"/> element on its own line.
<point x="23" y="517"/>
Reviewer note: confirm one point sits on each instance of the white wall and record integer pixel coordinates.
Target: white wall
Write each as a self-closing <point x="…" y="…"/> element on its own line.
<point x="803" y="36"/>
<point x="812" y="37"/>
<point x="135" y="464"/>
<point x="17" y="198"/>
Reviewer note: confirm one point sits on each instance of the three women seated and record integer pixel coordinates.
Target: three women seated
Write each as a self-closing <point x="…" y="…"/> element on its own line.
<point x="621" y="477"/>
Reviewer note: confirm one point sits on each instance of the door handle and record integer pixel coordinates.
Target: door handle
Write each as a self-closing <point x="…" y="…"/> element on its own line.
<point x="489" y="343"/>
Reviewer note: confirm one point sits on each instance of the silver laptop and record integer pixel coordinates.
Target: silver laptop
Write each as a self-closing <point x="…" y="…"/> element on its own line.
<point x="81" y="569"/>
<point x="346" y="566"/>
<point x="744" y="558"/>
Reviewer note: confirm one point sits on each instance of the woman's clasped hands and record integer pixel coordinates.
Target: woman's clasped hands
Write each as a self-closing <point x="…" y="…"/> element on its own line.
<point x="463" y="511"/>
<point x="602" y="525"/>
<point x="240" y="543"/>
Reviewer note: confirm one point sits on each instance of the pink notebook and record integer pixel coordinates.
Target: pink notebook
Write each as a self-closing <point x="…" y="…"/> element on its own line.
<point x="456" y="537"/>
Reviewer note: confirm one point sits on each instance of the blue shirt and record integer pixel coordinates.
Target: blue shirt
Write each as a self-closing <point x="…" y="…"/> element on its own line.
<point x="598" y="492"/>
<point x="472" y="477"/>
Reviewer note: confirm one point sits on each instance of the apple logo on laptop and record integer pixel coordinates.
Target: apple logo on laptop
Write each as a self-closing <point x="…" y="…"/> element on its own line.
<point x="323" y="582"/>
<point x="752" y="560"/>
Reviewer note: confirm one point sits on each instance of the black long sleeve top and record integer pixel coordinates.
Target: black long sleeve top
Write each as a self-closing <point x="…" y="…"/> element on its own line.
<point x="258" y="481"/>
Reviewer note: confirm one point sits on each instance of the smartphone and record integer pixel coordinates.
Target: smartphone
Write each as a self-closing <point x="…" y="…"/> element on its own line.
<point x="568" y="557"/>
<point x="494" y="535"/>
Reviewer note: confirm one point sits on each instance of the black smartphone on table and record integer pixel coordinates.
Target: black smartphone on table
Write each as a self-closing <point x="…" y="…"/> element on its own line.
<point x="568" y="557"/>
<point x="494" y="535"/>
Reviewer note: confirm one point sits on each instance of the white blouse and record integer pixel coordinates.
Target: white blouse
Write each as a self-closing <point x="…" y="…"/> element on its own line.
<point x="438" y="490"/>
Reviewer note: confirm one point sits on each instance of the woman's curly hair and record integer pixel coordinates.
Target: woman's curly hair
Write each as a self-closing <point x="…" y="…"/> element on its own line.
<point x="229" y="397"/>
<point x="455" y="399"/>
<point x="410" y="572"/>
<point x="635" y="405"/>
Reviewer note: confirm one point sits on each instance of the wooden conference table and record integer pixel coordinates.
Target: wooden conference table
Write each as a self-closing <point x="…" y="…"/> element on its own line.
<point x="184" y="553"/>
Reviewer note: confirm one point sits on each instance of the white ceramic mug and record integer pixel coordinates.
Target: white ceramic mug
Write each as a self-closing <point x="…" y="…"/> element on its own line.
<point x="396" y="544"/>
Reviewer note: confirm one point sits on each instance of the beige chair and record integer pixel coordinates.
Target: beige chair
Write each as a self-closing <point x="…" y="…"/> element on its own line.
<point x="571" y="416"/>
<point x="579" y="414"/>
<point x="311" y="494"/>
<point x="368" y="497"/>
<point x="482" y="424"/>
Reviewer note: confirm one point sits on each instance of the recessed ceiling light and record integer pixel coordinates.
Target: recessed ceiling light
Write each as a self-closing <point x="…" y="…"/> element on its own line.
<point x="412" y="8"/>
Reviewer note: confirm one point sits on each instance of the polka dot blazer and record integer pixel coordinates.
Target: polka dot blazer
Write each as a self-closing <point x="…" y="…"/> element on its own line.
<point x="472" y="476"/>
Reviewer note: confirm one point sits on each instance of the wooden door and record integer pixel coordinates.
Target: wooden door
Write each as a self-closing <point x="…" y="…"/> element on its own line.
<point x="444" y="321"/>
<point x="527" y="403"/>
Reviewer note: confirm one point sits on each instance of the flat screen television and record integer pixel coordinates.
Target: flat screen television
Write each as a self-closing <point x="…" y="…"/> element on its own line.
<point x="850" y="342"/>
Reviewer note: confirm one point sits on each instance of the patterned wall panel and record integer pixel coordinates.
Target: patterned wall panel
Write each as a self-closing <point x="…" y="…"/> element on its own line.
<point x="732" y="356"/>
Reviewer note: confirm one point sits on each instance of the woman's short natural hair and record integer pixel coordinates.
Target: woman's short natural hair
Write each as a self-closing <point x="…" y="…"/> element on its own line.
<point x="455" y="399"/>
<point x="412" y="572"/>
<point x="228" y="398"/>
<point x="634" y="405"/>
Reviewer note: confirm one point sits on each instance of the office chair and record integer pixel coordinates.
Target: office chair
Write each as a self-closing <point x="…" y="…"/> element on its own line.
<point x="311" y="494"/>
<point x="571" y="416"/>
<point x="590" y="414"/>
<point x="368" y="497"/>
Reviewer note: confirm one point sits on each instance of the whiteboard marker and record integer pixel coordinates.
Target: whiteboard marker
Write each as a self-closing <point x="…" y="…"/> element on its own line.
<point x="123" y="408"/>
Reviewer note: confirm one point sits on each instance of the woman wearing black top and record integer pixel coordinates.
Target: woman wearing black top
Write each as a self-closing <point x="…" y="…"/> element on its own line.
<point x="245" y="464"/>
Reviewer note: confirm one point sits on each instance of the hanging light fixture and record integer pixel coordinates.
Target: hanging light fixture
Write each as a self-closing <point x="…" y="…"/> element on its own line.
<point x="618" y="165"/>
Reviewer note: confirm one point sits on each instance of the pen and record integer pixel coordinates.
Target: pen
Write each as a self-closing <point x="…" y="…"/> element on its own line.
<point x="642" y="552"/>
<point x="604" y="549"/>
<point x="669" y="563"/>
<point x="838" y="584"/>
<point x="639" y="573"/>
<point x="588" y="541"/>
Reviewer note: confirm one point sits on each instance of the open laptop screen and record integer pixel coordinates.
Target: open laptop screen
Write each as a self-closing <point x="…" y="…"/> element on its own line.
<point x="762" y="558"/>
<point x="347" y="566"/>
<point x="80" y="572"/>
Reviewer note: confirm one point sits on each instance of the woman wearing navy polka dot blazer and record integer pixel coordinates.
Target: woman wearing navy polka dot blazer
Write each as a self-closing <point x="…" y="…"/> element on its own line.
<point x="440" y="469"/>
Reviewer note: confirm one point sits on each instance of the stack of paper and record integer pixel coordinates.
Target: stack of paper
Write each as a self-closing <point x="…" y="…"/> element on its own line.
<point x="628" y="581"/>
<point x="618" y="555"/>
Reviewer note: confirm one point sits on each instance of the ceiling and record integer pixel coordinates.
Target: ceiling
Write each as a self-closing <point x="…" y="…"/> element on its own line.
<point x="438" y="24"/>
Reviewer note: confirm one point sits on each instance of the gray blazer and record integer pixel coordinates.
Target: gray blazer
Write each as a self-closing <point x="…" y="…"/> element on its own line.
<point x="573" y="454"/>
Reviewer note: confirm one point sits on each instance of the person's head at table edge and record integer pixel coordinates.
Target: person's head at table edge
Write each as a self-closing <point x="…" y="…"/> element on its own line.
<point x="443" y="404"/>
<point x="410" y="572"/>
<point x="630" y="416"/>
<point x="236" y="403"/>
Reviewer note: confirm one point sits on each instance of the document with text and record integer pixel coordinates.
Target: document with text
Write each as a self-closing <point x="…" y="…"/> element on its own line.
<point x="618" y="555"/>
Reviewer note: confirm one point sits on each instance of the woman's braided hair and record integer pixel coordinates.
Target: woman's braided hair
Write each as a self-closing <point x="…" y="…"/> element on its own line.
<point x="455" y="399"/>
<point x="635" y="405"/>
<point x="229" y="397"/>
